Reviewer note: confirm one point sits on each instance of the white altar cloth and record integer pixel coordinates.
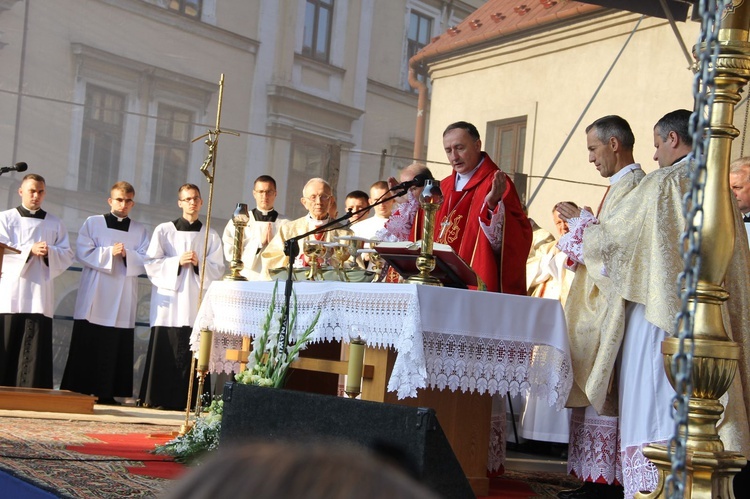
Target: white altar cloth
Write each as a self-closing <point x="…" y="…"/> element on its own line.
<point x="444" y="338"/>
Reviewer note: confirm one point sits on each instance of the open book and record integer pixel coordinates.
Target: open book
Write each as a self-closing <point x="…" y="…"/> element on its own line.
<point x="450" y="268"/>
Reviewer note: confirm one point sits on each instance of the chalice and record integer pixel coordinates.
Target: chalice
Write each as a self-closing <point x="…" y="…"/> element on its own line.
<point x="313" y="251"/>
<point x="340" y="254"/>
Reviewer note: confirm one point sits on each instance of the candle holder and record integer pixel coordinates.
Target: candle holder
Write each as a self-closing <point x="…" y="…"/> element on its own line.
<point x="357" y="337"/>
<point x="204" y="360"/>
<point x="240" y="218"/>
<point x="430" y="200"/>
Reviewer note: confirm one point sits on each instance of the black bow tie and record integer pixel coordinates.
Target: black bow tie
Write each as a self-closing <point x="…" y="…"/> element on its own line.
<point x="746" y="217"/>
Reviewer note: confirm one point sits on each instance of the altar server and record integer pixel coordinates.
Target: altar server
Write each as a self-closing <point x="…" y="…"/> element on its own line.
<point x="173" y="264"/>
<point x="111" y="248"/>
<point x="263" y="225"/>
<point x="26" y="288"/>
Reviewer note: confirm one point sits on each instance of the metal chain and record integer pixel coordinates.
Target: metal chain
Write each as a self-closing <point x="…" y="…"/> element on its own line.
<point x="744" y="126"/>
<point x="703" y="84"/>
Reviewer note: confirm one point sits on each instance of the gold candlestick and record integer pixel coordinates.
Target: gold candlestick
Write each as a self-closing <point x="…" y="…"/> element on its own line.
<point x="240" y="219"/>
<point x="430" y="200"/>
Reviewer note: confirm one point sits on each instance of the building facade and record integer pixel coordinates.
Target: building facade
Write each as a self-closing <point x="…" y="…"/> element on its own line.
<point x="97" y="91"/>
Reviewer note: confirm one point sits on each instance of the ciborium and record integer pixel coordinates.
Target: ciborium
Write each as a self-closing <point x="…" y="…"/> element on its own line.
<point x="430" y="200"/>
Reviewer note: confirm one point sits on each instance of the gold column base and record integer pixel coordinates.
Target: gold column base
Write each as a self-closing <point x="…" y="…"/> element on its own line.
<point x="233" y="277"/>
<point x="709" y="474"/>
<point x="425" y="264"/>
<point x="709" y="468"/>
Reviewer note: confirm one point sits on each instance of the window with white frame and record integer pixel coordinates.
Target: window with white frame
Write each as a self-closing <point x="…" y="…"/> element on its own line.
<point x="417" y="36"/>
<point x="507" y="143"/>
<point x="101" y="139"/>
<point x="171" y="152"/>
<point x="307" y="160"/>
<point x="113" y="139"/>
<point x="317" y="33"/>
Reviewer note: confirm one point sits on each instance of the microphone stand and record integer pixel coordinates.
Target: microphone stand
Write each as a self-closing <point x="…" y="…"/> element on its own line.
<point x="291" y="249"/>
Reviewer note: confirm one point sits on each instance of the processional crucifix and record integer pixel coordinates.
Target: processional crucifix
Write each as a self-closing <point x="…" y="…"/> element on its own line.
<point x="208" y="168"/>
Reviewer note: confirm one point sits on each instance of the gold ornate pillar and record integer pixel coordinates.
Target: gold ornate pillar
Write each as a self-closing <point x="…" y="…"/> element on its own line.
<point x="709" y="467"/>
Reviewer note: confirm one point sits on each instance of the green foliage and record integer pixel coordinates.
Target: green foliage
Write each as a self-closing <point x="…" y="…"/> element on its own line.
<point x="267" y="366"/>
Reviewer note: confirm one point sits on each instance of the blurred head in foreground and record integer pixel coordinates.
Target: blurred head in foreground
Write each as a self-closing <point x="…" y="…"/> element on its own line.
<point x="273" y="470"/>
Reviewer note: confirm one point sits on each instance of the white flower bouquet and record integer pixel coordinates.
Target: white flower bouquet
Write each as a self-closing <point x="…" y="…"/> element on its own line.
<point x="267" y="366"/>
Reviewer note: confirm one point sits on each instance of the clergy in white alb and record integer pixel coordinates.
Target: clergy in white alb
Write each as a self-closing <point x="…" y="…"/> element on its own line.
<point x="111" y="249"/>
<point x="174" y="263"/>
<point x="26" y="288"/>
<point x="593" y="453"/>
<point x="263" y="225"/>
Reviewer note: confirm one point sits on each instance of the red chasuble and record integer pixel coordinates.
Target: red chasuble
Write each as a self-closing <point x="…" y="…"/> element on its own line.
<point x="504" y="271"/>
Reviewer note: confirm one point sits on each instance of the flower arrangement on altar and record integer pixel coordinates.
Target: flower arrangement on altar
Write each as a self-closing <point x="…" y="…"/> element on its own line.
<point x="268" y="366"/>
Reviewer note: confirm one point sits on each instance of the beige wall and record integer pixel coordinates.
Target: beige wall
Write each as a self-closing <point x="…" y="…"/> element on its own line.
<point x="550" y="78"/>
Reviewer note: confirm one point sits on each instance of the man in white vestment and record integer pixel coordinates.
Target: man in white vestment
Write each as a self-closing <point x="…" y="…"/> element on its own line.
<point x="368" y="227"/>
<point x="355" y="201"/>
<point x="263" y="225"/>
<point x="111" y="249"/>
<point x="639" y="253"/>
<point x="593" y="453"/>
<point x="316" y="198"/>
<point x="739" y="181"/>
<point x="174" y="262"/>
<point x="547" y="277"/>
<point x="26" y="290"/>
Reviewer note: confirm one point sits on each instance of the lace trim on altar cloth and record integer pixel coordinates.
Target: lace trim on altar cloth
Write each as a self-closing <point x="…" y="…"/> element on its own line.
<point x="572" y="243"/>
<point x="594" y="449"/>
<point x="640" y="474"/>
<point x="394" y="323"/>
<point x="493" y="366"/>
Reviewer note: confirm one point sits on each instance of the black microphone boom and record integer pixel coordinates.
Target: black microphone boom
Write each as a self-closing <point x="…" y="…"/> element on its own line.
<point x="18" y="167"/>
<point x="417" y="181"/>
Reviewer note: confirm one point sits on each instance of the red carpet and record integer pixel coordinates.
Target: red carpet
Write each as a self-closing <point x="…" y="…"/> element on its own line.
<point x="134" y="447"/>
<point x="505" y="488"/>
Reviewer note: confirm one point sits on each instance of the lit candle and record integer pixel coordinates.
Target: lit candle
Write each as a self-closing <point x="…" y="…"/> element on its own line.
<point x="204" y="352"/>
<point x="356" y="362"/>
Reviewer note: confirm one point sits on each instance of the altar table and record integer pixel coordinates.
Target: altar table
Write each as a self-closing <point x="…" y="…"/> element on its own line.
<point x="422" y="340"/>
<point x="464" y="340"/>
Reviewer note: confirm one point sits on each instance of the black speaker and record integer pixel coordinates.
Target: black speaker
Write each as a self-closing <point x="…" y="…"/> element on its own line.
<point x="256" y="413"/>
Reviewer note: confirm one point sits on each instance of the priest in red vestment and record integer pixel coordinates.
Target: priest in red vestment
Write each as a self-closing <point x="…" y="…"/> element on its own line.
<point x="481" y="217"/>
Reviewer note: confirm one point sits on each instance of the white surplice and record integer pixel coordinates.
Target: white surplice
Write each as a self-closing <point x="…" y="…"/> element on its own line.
<point x="108" y="293"/>
<point x="252" y="245"/>
<point x="26" y="285"/>
<point x="174" y="297"/>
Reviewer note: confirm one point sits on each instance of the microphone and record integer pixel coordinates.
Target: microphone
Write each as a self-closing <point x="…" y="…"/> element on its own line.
<point x="18" y="167"/>
<point x="417" y="181"/>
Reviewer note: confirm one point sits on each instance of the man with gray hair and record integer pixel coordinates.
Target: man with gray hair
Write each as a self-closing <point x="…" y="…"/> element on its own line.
<point x="739" y="181"/>
<point x="316" y="198"/>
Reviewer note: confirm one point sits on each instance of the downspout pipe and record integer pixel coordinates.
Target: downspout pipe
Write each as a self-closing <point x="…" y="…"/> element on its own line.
<point x="421" y="124"/>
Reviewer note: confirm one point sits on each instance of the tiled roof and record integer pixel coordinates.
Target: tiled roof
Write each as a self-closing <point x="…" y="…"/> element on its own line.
<point x="500" y="18"/>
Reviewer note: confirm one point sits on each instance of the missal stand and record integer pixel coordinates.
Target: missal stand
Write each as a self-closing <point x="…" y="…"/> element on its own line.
<point x="41" y="399"/>
<point x="450" y="269"/>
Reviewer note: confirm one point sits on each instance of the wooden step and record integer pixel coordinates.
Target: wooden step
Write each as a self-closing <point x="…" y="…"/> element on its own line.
<point x="43" y="400"/>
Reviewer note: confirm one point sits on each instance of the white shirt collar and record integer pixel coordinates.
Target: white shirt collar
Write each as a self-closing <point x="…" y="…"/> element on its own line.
<point x="311" y="222"/>
<point x="617" y="176"/>
<point x="33" y="212"/>
<point x="463" y="178"/>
